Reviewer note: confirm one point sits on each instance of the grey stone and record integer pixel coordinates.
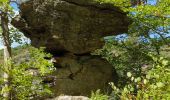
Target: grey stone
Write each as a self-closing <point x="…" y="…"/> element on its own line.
<point x="82" y="75"/>
<point x="70" y="98"/>
<point x="77" y="26"/>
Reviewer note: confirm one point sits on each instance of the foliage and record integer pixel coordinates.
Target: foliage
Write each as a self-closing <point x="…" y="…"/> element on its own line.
<point x="9" y="34"/>
<point x="4" y="5"/>
<point x="98" y="96"/>
<point x="155" y="85"/>
<point x="128" y="55"/>
<point x="147" y="33"/>
<point x="122" y="4"/>
<point x="139" y="53"/>
<point x="17" y="51"/>
<point x="14" y="34"/>
<point x="147" y="75"/>
<point x="27" y="76"/>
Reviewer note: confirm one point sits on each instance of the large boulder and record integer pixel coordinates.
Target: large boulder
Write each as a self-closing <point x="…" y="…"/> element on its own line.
<point x="79" y="75"/>
<point x="76" y="26"/>
<point x="71" y="30"/>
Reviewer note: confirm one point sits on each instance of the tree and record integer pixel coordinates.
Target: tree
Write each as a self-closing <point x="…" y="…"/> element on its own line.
<point x="146" y="35"/>
<point x="18" y="81"/>
<point x="7" y="46"/>
<point x="29" y="74"/>
<point x="147" y="21"/>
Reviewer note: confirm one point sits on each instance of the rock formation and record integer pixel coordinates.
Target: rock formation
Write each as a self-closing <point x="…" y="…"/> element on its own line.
<point x="71" y="30"/>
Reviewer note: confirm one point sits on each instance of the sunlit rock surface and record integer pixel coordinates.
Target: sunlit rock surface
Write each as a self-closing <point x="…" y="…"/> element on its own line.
<point x="70" y="98"/>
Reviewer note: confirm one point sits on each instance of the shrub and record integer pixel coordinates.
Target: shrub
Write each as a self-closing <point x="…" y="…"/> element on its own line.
<point x="26" y="76"/>
<point x="155" y="85"/>
<point x="98" y="96"/>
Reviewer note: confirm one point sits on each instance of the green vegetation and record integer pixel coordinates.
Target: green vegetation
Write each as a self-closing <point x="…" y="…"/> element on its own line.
<point x="16" y="52"/>
<point x="154" y="85"/>
<point x="98" y="96"/>
<point x="141" y="58"/>
<point x="27" y="73"/>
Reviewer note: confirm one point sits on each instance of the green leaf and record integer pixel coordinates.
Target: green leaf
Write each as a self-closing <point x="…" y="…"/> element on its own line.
<point x="129" y="74"/>
<point x="160" y="84"/>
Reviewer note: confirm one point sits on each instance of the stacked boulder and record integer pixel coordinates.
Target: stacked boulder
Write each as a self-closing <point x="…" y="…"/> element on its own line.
<point x="71" y="30"/>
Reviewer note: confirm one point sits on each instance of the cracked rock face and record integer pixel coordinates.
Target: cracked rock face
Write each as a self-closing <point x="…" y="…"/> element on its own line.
<point x="79" y="75"/>
<point x="71" y="30"/>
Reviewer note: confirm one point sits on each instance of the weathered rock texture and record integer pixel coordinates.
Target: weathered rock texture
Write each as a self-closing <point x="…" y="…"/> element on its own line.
<point x="76" y="28"/>
<point x="79" y="75"/>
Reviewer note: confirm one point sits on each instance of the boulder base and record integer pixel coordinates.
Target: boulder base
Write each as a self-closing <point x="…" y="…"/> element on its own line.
<point x="81" y="75"/>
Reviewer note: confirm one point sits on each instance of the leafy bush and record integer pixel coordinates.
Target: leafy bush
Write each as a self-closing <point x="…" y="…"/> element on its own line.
<point x="147" y="33"/>
<point x="155" y="85"/>
<point x="126" y="55"/>
<point x="98" y="96"/>
<point x="148" y="75"/>
<point x="27" y="76"/>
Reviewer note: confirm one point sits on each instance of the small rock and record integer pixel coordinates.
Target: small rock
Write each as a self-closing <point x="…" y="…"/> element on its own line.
<point x="70" y="98"/>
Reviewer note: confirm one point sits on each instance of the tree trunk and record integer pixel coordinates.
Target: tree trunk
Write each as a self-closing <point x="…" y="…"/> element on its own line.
<point x="7" y="54"/>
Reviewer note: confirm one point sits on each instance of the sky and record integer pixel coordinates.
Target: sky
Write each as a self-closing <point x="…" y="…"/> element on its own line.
<point x="16" y="10"/>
